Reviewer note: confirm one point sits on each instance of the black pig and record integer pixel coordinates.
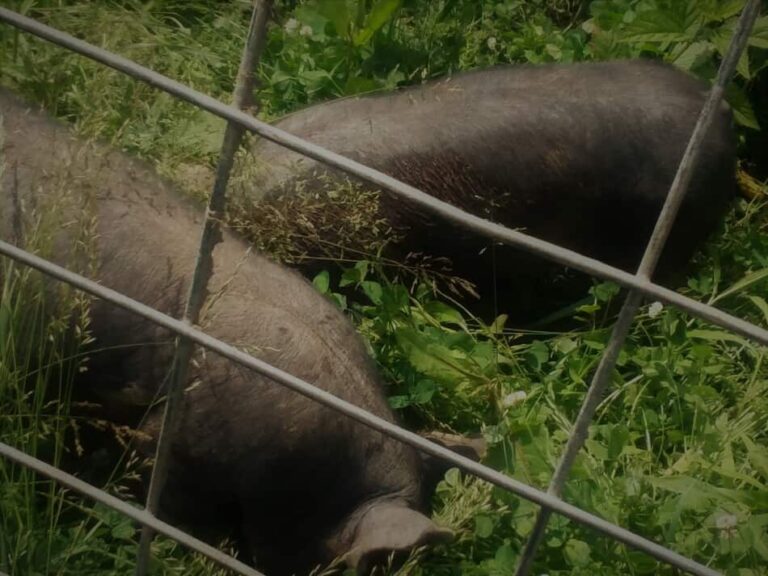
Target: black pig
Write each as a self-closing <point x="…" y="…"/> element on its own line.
<point x="304" y="484"/>
<point x="579" y="155"/>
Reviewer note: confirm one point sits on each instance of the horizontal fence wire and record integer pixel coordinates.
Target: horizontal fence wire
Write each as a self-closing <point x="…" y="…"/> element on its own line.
<point x="479" y="225"/>
<point x="371" y="420"/>
<point x="137" y="514"/>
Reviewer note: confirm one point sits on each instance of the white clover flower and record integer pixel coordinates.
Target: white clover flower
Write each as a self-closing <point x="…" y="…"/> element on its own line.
<point x="306" y="31"/>
<point x="514" y="398"/>
<point x="727" y="524"/>
<point x="291" y="25"/>
<point x="655" y="309"/>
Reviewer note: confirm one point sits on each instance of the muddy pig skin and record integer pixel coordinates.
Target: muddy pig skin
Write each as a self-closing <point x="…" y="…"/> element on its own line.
<point x="580" y="155"/>
<point x="302" y="483"/>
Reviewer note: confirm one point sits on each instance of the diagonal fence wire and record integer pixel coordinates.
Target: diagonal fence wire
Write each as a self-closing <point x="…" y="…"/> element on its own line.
<point x="198" y="289"/>
<point x="602" y="377"/>
<point x="479" y="225"/>
<point x="356" y="413"/>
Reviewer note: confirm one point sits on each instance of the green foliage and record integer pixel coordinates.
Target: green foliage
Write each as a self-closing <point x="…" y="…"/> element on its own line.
<point x="31" y="380"/>
<point x="433" y="362"/>
<point x="332" y="48"/>
<point x="114" y="107"/>
<point x="691" y="34"/>
<point x="323" y="48"/>
<point x="678" y="448"/>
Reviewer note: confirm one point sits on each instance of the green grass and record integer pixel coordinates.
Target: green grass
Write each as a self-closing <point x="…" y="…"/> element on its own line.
<point x="678" y="448"/>
<point x="44" y="528"/>
<point x="677" y="451"/>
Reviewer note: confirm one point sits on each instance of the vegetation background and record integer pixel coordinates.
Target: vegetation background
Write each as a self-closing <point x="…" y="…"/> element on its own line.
<point x="678" y="449"/>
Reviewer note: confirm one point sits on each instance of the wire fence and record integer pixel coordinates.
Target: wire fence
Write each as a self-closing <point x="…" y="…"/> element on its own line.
<point x="640" y="286"/>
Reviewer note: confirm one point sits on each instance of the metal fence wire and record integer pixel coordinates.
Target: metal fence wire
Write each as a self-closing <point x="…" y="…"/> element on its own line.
<point x="639" y="284"/>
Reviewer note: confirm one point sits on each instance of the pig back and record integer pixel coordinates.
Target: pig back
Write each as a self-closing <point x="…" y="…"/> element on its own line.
<point x="245" y="444"/>
<point x="579" y="155"/>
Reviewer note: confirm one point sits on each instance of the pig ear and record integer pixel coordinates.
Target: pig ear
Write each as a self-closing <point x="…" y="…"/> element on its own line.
<point x="389" y="528"/>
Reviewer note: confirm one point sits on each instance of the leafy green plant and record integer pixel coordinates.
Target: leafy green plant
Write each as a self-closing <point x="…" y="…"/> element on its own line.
<point x="677" y="451"/>
<point x="432" y="360"/>
<point x="691" y="34"/>
<point x="324" y="49"/>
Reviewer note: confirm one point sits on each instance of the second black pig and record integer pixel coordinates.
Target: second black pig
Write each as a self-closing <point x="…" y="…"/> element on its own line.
<point x="579" y="155"/>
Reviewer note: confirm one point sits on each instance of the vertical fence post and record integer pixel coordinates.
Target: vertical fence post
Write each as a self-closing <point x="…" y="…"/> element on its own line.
<point x="198" y="290"/>
<point x="661" y="232"/>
